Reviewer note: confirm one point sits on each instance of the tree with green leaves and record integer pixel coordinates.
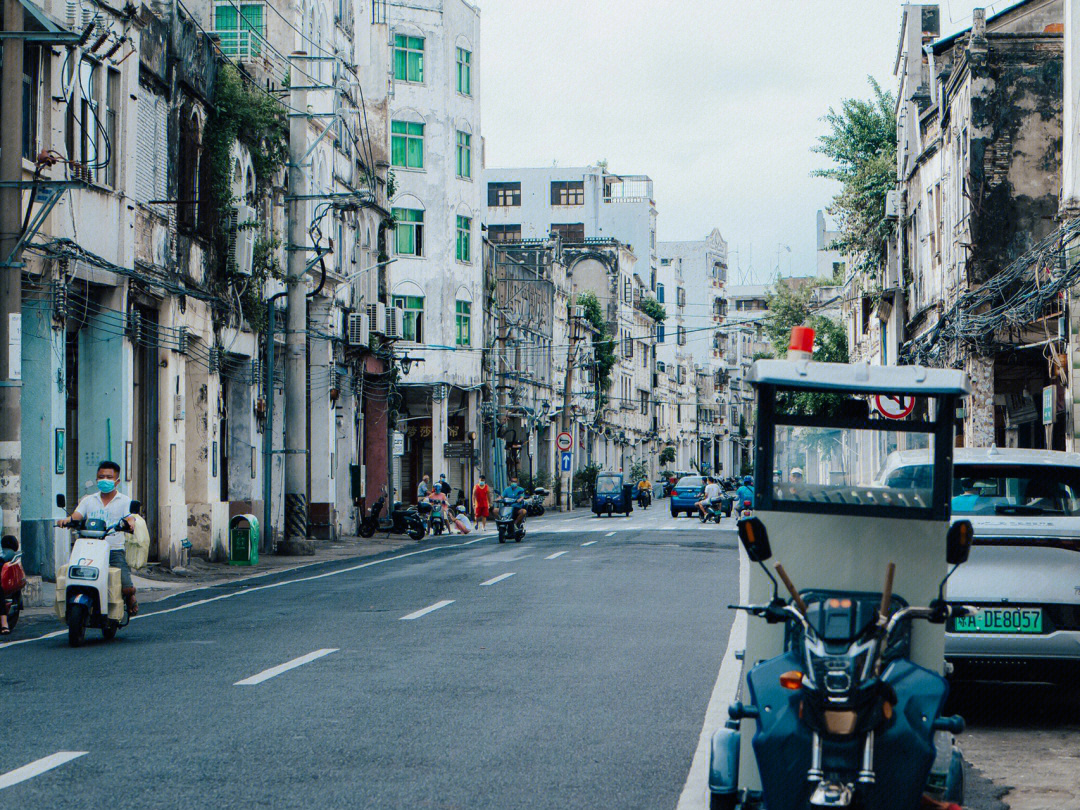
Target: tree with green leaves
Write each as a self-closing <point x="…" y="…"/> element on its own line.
<point x="653" y="308"/>
<point x="603" y="343"/>
<point x="789" y="307"/>
<point x="861" y="143"/>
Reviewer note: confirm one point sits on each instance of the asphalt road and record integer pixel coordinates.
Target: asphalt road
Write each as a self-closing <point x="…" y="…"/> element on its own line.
<point x="571" y="670"/>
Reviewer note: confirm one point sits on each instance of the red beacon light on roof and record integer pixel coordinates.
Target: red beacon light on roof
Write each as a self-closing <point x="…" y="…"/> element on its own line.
<point x="802" y="343"/>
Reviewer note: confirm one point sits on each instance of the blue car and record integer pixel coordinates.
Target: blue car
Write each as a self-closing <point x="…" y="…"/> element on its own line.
<point x="687" y="493"/>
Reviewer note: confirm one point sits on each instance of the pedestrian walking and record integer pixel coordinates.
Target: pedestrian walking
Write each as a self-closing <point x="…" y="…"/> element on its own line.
<point x="481" y="502"/>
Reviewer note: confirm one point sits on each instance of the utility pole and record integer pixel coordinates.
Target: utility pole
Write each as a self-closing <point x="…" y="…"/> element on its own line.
<point x="567" y="385"/>
<point x="296" y="450"/>
<point x="11" y="101"/>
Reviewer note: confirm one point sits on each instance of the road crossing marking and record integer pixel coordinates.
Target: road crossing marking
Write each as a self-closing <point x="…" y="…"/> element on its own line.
<point x="499" y="578"/>
<point x="429" y="609"/>
<point x="588" y="544"/>
<point x="553" y="556"/>
<point x="273" y="672"/>
<point x="38" y="767"/>
<point x="610" y="534"/>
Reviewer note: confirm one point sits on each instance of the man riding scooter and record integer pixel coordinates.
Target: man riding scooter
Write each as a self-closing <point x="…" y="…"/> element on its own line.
<point x="744" y="495"/>
<point x="112" y="506"/>
<point x="515" y="494"/>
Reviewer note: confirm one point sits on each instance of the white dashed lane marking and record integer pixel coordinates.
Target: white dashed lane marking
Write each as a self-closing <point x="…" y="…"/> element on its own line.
<point x="499" y="578"/>
<point x="425" y="611"/>
<point x="553" y="556"/>
<point x="610" y="534"/>
<point x="38" y="767"/>
<point x="273" y="672"/>
<point x="588" y="544"/>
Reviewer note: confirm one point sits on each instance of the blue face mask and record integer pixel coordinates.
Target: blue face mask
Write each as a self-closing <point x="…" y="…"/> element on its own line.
<point x="105" y="485"/>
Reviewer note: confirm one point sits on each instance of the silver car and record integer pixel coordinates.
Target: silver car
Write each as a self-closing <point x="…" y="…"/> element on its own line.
<point x="1024" y="570"/>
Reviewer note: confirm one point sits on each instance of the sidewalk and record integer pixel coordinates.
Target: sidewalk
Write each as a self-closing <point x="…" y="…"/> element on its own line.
<point x="154" y="583"/>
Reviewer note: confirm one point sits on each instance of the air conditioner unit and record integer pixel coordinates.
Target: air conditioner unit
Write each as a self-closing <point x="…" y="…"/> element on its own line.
<point x="377" y="318"/>
<point x="393" y="323"/>
<point x="358" y="332"/>
<point x="240" y="239"/>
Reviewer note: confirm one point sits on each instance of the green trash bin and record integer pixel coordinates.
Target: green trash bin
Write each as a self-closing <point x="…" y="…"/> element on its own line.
<point x="244" y="540"/>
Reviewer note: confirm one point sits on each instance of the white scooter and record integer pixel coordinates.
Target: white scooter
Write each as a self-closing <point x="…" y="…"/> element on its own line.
<point x="88" y="591"/>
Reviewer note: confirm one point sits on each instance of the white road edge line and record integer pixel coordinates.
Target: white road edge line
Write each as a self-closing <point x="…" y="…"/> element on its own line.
<point x="416" y="614"/>
<point x="273" y="672"/>
<point x="553" y="556"/>
<point x="499" y="578"/>
<point x="591" y="542"/>
<point x="254" y="589"/>
<point x="38" y="767"/>
<point x="694" y="792"/>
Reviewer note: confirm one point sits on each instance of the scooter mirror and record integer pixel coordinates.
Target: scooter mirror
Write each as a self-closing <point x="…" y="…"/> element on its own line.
<point x="958" y="542"/>
<point x="136" y="507"/>
<point x="755" y="539"/>
<point x="61" y="501"/>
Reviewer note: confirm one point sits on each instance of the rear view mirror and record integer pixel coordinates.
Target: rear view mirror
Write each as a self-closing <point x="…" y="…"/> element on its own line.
<point x="136" y="507"/>
<point x="61" y="501"/>
<point x="958" y="542"/>
<point x="755" y="539"/>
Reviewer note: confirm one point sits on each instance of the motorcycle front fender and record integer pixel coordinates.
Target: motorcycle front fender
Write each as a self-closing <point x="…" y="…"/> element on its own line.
<point x="724" y="762"/>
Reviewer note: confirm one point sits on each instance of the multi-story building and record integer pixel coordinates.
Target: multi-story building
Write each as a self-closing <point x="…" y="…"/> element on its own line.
<point x="436" y="279"/>
<point x="742" y="340"/>
<point x="980" y="172"/>
<point x="700" y="267"/>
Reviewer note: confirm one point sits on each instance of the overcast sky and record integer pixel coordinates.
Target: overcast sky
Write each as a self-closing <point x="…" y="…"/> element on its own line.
<point x="719" y="101"/>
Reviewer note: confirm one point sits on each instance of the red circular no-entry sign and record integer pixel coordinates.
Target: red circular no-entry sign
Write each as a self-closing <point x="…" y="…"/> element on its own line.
<point x="894" y="406"/>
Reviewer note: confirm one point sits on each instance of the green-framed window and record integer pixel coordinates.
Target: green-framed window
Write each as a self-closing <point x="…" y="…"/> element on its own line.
<point x="409" y="231"/>
<point x="463" y="317"/>
<point x="464" y="154"/>
<point x="241" y="28"/>
<point x="464" y="231"/>
<point x="412" y="316"/>
<point x="408" y="58"/>
<point x="464" y="72"/>
<point x="407" y="144"/>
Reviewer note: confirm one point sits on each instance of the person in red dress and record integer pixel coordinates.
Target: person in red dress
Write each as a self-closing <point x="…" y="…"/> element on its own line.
<point x="481" y="502"/>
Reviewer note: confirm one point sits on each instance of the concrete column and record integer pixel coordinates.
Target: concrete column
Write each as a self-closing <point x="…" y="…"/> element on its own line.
<point x="172" y="395"/>
<point x="1070" y="151"/>
<point x="438" y="430"/>
<point x="322" y="439"/>
<point x="979" y="417"/>
<point x="42" y="351"/>
<point x="375" y="432"/>
<point x="344" y="456"/>
<point x="105" y="393"/>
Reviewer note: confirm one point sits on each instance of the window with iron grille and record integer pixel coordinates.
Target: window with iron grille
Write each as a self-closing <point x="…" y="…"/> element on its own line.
<point x="30" y="91"/>
<point x="568" y="192"/>
<point x="241" y="28"/>
<point x="408" y="59"/>
<point x="569" y="231"/>
<point x="504" y="195"/>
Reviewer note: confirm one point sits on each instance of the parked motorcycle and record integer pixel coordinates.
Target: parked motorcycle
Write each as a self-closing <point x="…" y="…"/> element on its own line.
<point x="504" y="521"/>
<point x="844" y="718"/>
<point x="534" y="506"/>
<point x="12" y="580"/>
<point x="402" y="520"/>
<point x="88" y="590"/>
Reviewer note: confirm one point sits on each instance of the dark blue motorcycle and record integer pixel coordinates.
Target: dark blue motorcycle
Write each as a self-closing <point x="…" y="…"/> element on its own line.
<point x="843" y="717"/>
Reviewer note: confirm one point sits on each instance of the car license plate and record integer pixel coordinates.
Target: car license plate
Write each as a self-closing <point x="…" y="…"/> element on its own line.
<point x="1001" y="620"/>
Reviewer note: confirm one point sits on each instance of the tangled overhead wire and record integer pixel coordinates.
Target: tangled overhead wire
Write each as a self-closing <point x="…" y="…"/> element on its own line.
<point x="1015" y="298"/>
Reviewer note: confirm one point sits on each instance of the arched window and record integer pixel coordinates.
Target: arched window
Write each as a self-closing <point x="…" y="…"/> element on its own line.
<point x="188" y="171"/>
